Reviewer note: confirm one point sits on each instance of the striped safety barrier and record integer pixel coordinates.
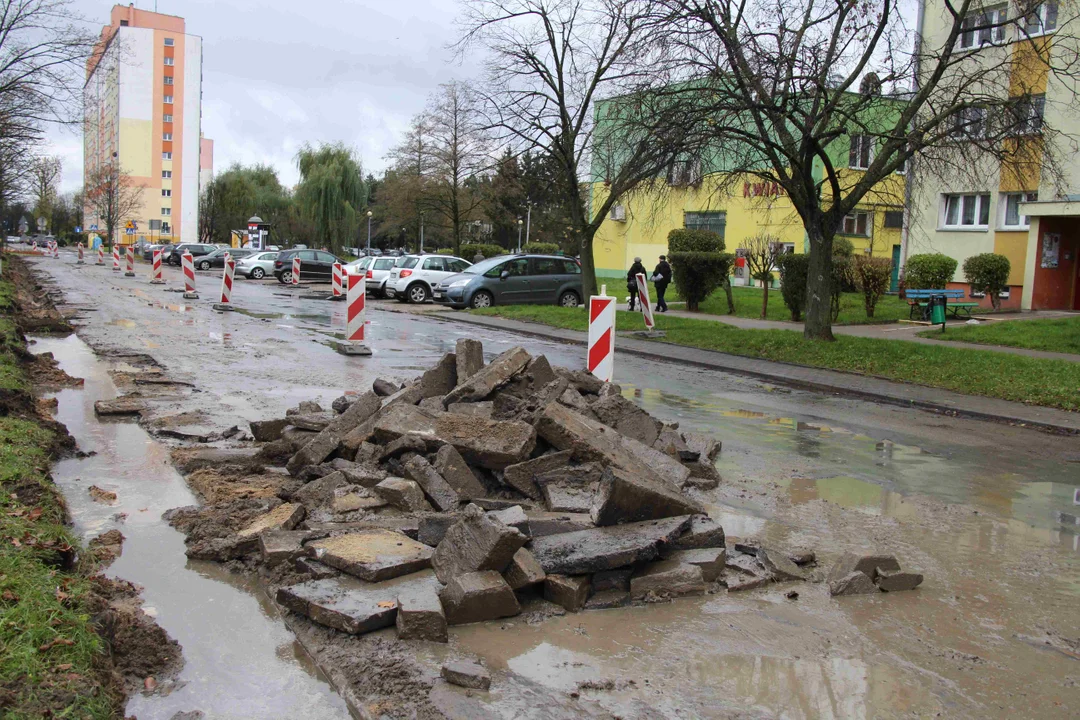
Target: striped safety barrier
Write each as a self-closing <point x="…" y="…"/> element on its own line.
<point x="155" y="270"/>
<point x="600" y="360"/>
<point x="116" y="258"/>
<point x="643" y="300"/>
<point x="296" y="270"/>
<point x="335" y="285"/>
<point x="187" y="262"/>
<point x="356" y="315"/>
<point x="100" y="255"/>
<point x="80" y="261"/>
<point x="130" y="256"/>
<point x="227" y="276"/>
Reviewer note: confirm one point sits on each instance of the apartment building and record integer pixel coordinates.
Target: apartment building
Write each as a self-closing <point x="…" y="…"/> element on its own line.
<point x="143" y="98"/>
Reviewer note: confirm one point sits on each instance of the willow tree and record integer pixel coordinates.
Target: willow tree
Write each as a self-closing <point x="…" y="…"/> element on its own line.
<point x="331" y="193"/>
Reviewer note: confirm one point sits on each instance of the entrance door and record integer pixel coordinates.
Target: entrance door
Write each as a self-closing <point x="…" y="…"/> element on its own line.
<point x="895" y="284"/>
<point x="1076" y="283"/>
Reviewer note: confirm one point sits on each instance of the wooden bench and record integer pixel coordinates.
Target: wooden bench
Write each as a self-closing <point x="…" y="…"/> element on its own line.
<point x="919" y="300"/>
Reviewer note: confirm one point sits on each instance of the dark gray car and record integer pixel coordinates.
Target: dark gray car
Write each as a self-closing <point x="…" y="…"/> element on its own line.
<point x="514" y="280"/>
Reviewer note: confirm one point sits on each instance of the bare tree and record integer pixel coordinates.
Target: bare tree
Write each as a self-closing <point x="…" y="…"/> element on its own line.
<point x="112" y="197"/>
<point x="408" y="183"/>
<point x="761" y="252"/>
<point x="44" y="176"/>
<point x="208" y="212"/>
<point x="549" y="63"/>
<point x="786" y="87"/>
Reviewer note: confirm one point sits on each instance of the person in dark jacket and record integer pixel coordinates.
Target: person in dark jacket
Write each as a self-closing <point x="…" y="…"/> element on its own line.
<point x="661" y="278"/>
<point x="631" y="281"/>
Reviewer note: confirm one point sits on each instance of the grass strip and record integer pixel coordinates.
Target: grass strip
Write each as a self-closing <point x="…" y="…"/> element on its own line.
<point x="1052" y="383"/>
<point x="1050" y="335"/>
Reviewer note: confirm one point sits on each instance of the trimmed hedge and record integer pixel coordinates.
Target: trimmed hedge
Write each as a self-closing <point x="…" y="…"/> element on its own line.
<point x="929" y="271"/>
<point x="793" y="272"/>
<point x="469" y="250"/>
<point x="988" y="273"/>
<point x="687" y="240"/>
<point x="542" y="248"/>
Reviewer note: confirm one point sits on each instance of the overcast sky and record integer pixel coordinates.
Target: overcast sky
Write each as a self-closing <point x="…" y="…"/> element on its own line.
<point x="278" y="74"/>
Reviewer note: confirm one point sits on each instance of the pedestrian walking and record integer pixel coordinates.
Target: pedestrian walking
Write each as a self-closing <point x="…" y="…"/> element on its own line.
<point x="631" y="281"/>
<point x="661" y="277"/>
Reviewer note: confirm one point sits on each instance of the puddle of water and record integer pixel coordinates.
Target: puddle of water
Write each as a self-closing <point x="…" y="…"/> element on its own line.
<point x="240" y="661"/>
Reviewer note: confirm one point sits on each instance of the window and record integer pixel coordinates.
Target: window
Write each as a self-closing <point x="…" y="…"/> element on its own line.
<point x="685" y="171"/>
<point x="166" y="174"/>
<point x="167" y="99"/>
<point x="1041" y="18"/>
<point x="969" y="123"/>
<point x="166" y="136"/>
<point x="166" y="118"/>
<point x="433" y="263"/>
<point x="1026" y="114"/>
<point x="324" y="257"/>
<point x="456" y="265"/>
<point x="570" y="267"/>
<point x="168" y="80"/>
<point x="123" y="23"/>
<point x="966" y="211"/>
<point x="547" y="266"/>
<point x="861" y="151"/>
<point x="1011" y="219"/>
<point x="166" y="193"/>
<point x="166" y="156"/>
<point x="857" y="223"/>
<point x="169" y="62"/>
<point x="618" y="213"/>
<point x="166" y="211"/>
<point x="168" y="42"/>
<point x="984" y="28"/>
<point x="715" y="221"/>
<point x="894" y="219"/>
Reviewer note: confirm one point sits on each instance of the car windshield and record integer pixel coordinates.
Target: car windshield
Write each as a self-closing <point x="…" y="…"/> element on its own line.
<point x="384" y="264"/>
<point x="409" y="261"/>
<point x="484" y="265"/>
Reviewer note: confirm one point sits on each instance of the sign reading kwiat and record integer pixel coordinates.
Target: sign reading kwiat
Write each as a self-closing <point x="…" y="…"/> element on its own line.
<point x="762" y="189"/>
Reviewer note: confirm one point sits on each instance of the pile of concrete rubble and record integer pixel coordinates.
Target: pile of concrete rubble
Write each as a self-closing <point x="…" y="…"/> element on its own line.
<point x="476" y="488"/>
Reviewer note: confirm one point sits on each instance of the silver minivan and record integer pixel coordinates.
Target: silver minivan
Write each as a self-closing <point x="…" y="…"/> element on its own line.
<point x="514" y="280"/>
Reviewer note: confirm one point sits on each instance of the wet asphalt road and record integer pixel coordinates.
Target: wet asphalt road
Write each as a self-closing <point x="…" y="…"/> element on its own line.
<point x="988" y="512"/>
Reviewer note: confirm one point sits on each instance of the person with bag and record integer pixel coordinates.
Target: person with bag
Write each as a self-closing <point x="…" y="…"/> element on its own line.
<point x="661" y="277"/>
<point x="631" y="281"/>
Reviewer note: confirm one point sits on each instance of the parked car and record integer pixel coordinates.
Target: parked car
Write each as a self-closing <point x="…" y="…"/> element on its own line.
<point x="414" y="276"/>
<point x="257" y="265"/>
<point x="314" y="265"/>
<point x="514" y="280"/>
<point x="216" y="259"/>
<point x="196" y="250"/>
<point x="148" y="251"/>
<point x="377" y="274"/>
<point x="359" y="266"/>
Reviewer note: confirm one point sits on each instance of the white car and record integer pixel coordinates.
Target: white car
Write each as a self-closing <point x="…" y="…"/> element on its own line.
<point x="257" y="266"/>
<point x="377" y="273"/>
<point x="415" y="275"/>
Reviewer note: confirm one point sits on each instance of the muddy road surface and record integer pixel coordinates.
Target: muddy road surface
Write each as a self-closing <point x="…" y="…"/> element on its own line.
<point x="990" y="514"/>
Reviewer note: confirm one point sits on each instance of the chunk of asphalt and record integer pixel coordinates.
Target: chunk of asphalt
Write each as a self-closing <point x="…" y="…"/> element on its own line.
<point x="470" y="358"/>
<point x="523" y="571"/>
<point x="467" y="674"/>
<point x="456" y="472"/>
<point x="522" y="476"/>
<point x="629" y="497"/>
<point x="854" y="583"/>
<point x="589" y="551"/>
<point x="403" y="494"/>
<point x="667" y="578"/>
<point x="569" y="591"/>
<point x="372" y="555"/>
<point x="488" y="379"/>
<point x="475" y="542"/>
<point x="478" y="596"/>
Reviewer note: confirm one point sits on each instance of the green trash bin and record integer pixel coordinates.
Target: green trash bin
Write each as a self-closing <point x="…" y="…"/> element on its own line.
<point x="937" y="310"/>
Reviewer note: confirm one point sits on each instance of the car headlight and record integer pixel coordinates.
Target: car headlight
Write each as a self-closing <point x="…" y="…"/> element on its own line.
<point x="459" y="283"/>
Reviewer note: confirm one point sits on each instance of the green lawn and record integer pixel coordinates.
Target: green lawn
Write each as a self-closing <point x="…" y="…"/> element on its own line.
<point x="1053" y="383"/>
<point x="1057" y="335"/>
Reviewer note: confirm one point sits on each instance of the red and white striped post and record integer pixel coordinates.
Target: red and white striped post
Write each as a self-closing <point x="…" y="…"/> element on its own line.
<point x="155" y="270"/>
<point x="188" y="263"/>
<point x="600" y="360"/>
<point x="55" y="250"/>
<point x="643" y="300"/>
<point x="227" y="284"/>
<point x="100" y="255"/>
<point x="116" y="258"/>
<point x="296" y="270"/>
<point x="80" y="261"/>
<point x="356" y="312"/>
<point x="130" y="272"/>
<point x="335" y="285"/>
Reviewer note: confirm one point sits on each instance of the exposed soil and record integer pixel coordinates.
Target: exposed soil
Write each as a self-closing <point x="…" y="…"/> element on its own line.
<point x="46" y="374"/>
<point x="215" y="487"/>
<point x="37" y="314"/>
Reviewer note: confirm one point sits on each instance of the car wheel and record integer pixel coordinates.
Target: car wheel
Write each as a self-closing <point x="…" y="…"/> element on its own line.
<point x="569" y="299"/>
<point x="258" y="273"/>
<point x="482" y="299"/>
<point x="204" y="265"/>
<point x="285" y="278"/>
<point x="417" y="293"/>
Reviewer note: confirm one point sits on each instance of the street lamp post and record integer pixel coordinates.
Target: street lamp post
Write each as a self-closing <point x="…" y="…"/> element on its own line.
<point x="421" y="233"/>
<point x="369" y="232"/>
<point x="528" y="222"/>
<point x="519" y="235"/>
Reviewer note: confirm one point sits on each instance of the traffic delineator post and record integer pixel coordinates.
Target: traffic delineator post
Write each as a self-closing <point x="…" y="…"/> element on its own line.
<point x="100" y="255"/>
<point x="643" y="299"/>
<point x="116" y="258"/>
<point x="296" y="270"/>
<point x="227" y="276"/>
<point x="130" y="255"/>
<point x="336" y="281"/>
<point x="600" y="357"/>
<point x="356" y="316"/>
<point x="80" y="261"/>
<point x="155" y="270"/>
<point x="188" y="264"/>
<point x="55" y="250"/>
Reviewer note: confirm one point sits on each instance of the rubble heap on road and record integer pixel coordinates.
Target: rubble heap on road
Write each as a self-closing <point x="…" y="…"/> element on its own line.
<point x="477" y="488"/>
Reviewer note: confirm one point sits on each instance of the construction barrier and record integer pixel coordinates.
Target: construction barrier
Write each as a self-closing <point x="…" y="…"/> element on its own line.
<point x="188" y="264"/>
<point x="55" y="250"/>
<point x="130" y="255"/>
<point x="356" y="312"/>
<point x="227" y="276"/>
<point x="80" y="261"/>
<point x="296" y="270"/>
<point x="643" y="300"/>
<point x="100" y="255"/>
<point x="116" y="258"/>
<point x="600" y="360"/>
<point x="335" y="285"/>
<point x="155" y="270"/>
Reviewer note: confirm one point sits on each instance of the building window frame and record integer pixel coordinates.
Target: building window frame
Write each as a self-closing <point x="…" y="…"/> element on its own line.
<point x="166" y="212"/>
<point x="166" y="174"/>
<point x="169" y="62"/>
<point x="1027" y="113"/>
<point x="965" y="212"/>
<point x="1042" y="19"/>
<point x="983" y="27"/>
<point x="167" y="80"/>
<point x="857" y="223"/>
<point x="166" y="156"/>
<point x="166" y="136"/>
<point x="167" y="117"/>
<point x="170" y="42"/>
<point x="165" y="192"/>
<point x="969" y="123"/>
<point x="167" y="99"/>
<point x="1016" y="221"/>
<point x="715" y="221"/>
<point x="860" y="151"/>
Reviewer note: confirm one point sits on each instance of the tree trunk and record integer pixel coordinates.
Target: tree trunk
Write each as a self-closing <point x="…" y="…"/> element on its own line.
<point x="730" y="296"/>
<point x="764" y="299"/>
<point x="588" y="267"/>
<point x="818" y="324"/>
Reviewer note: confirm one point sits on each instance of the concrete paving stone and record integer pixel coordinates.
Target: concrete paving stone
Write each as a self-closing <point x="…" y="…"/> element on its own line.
<point x="608" y="599"/>
<point x="513" y="516"/>
<point x="268" y="430"/>
<point x="372" y="555"/>
<point x="278" y="546"/>
<point x="356" y="500"/>
<point x="542" y="523"/>
<point x="406" y="443"/>
<point x="470" y="358"/>
<point x="854" y="583"/>
<point x="561" y="497"/>
<point x="312" y="421"/>
<point x="297" y="437"/>
<point x="780" y="565"/>
<point x="443" y="497"/>
<point x="314" y="568"/>
<point x="188" y="460"/>
<point x="706" y="446"/>
<point x="433" y="527"/>
<point x="712" y="561"/>
<point x="612" y="580"/>
<point x="467" y="674"/>
<point x="617" y="412"/>
<point x="484" y="409"/>
<point x="572" y="399"/>
<point x="350" y="605"/>
<point x="485" y="381"/>
<point x="522" y="476"/>
<point x="384" y="388"/>
<point x="478" y="596"/>
<point x="364" y="475"/>
<point x="408" y="526"/>
<point x="704" y="532"/>
<point x="420" y="615"/>
<point x="320" y="492"/>
<point x="589" y="551"/>
<point x="898" y="581"/>
<point x="318" y="449"/>
<point x="667" y="578"/>
<point x="403" y="494"/>
<point x="284" y="517"/>
<point x="868" y="564"/>
<point x="570" y="592"/>
<point x="456" y="472"/>
<point x="120" y="406"/>
<point x="475" y="542"/>
<point x="523" y="571"/>
<point x="432" y="403"/>
<point x="670" y="442"/>
<point x="626" y="496"/>
<point x="441" y="378"/>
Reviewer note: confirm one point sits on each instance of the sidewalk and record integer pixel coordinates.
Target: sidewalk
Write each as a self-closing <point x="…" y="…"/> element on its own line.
<point x="819" y="380"/>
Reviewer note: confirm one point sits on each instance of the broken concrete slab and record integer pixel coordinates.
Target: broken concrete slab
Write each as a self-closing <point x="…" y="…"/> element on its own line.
<point x="626" y="417"/>
<point x="314" y="569"/>
<point x="703" y="476"/>
<point x="475" y="542"/>
<point x="433" y="527"/>
<point x="403" y="494"/>
<point x="316" y="422"/>
<point x="593" y="441"/>
<point x="407" y="395"/>
<point x="467" y="674"/>
<point x="866" y="564"/>
<point x="560" y="497"/>
<point x="588" y="551"/>
<point x="120" y="406"/>
<point x="188" y="460"/>
<point x="485" y="409"/>
<point x="284" y="517"/>
<point x="318" y="449"/>
<point x="543" y="523"/>
<point x="355" y="500"/>
<point x="406" y="443"/>
<point x="612" y="580"/>
<point x="305" y="406"/>
<point x="320" y="492"/>
<point x="373" y="555"/>
<point x="487" y="380"/>
<point x="667" y="578"/>
<point x="523" y="571"/>
<point x="443" y="497"/>
<point x="854" y="583"/>
<point x="522" y="476"/>
<point x="420" y="615"/>
<point x="712" y="561"/>
<point x="780" y="565"/>
<point x="457" y="473"/>
<point x="350" y="605"/>
<point x="608" y="599"/>
<point x="570" y="592"/>
<point x="897" y="581"/>
<point x="670" y="442"/>
<point x="583" y="381"/>
<point x="707" y="447"/>
<point x="364" y="475"/>
<point x="384" y="388"/>
<point x="296" y="437"/>
<point x="278" y="546"/>
<point x="629" y="497"/>
<point x="740" y="583"/>
<point x="572" y="399"/>
<point x="492" y="444"/>
<point x="478" y="596"/>
<point x="470" y="358"/>
<point x="704" y="532"/>
<point x="268" y="430"/>
<point x="441" y="378"/>
<point x="513" y="516"/>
